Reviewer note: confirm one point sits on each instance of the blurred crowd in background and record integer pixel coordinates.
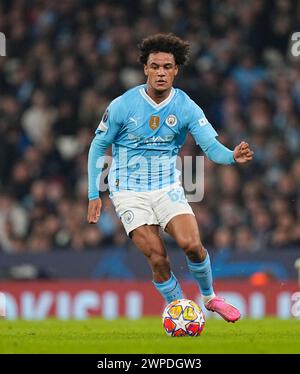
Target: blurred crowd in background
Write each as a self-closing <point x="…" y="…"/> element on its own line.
<point x="66" y="60"/>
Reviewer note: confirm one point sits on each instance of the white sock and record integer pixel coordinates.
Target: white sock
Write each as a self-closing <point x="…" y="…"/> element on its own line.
<point x="206" y="299"/>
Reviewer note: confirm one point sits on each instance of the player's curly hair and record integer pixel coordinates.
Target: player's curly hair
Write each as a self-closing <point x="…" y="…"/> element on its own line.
<point x="169" y="43"/>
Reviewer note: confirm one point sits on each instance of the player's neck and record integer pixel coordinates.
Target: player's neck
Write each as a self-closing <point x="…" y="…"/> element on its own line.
<point x="157" y="96"/>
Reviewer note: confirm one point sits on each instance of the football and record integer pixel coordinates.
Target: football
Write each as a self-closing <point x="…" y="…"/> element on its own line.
<point x="183" y="318"/>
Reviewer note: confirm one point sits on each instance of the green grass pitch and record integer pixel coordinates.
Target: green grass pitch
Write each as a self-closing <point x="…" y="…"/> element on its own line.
<point x="147" y="336"/>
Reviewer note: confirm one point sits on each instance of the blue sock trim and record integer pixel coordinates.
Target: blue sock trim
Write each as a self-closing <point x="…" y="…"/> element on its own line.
<point x="198" y="266"/>
<point x="170" y="289"/>
<point x="168" y="285"/>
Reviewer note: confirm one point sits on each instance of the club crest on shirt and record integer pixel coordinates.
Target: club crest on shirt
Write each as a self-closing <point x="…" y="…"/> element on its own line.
<point x="154" y="122"/>
<point x="171" y="120"/>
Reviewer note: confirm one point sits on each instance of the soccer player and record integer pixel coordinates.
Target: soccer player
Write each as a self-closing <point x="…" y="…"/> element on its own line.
<point x="147" y="126"/>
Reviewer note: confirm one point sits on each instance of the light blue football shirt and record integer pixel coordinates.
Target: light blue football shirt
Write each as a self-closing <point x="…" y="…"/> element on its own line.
<point x="146" y="138"/>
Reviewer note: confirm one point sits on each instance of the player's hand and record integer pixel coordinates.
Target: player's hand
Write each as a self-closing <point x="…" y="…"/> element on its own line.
<point x="242" y="153"/>
<point x="94" y="210"/>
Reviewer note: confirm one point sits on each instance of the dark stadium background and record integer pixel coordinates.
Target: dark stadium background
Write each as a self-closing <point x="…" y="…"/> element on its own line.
<point x="66" y="60"/>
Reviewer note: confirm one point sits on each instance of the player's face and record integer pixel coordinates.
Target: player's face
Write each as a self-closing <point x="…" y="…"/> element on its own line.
<point x="160" y="70"/>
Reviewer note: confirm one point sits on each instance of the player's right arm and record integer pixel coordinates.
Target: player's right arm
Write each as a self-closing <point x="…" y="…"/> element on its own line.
<point x="105" y="135"/>
<point x="96" y="155"/>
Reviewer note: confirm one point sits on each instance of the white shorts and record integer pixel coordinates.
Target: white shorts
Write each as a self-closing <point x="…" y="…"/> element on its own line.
<point x="156" y="207"/>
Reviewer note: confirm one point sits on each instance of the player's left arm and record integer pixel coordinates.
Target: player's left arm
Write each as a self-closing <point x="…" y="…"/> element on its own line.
<point x="220" y="154"/>
<point x="205" y="136"/>
<point x="242" y="153"/>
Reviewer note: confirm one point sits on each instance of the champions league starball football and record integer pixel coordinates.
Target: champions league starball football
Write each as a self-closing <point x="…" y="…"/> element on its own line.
<point x="183" y="318"/>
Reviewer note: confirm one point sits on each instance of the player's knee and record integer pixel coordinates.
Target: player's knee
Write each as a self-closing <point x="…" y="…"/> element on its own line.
<point x="159" y="262"/>
<point x="193" y="249"/>
<point x="189" y="244"/>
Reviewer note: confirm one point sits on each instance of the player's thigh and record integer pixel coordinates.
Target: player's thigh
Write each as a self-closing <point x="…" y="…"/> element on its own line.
<point x="170" y="203"/>
<point x="134" y="210"/>
<point x="147" y="239"/>
<point x="184" y="228"/>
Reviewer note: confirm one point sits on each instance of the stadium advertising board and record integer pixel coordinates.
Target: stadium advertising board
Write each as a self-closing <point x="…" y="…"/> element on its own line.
<point x="111" y="299"/>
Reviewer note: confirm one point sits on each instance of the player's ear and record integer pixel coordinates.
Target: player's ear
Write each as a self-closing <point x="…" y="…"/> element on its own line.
<point x="176" y="70"/>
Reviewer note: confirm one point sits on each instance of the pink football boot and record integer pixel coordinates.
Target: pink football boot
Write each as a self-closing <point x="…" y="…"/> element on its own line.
<point x="227" y="311"/>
